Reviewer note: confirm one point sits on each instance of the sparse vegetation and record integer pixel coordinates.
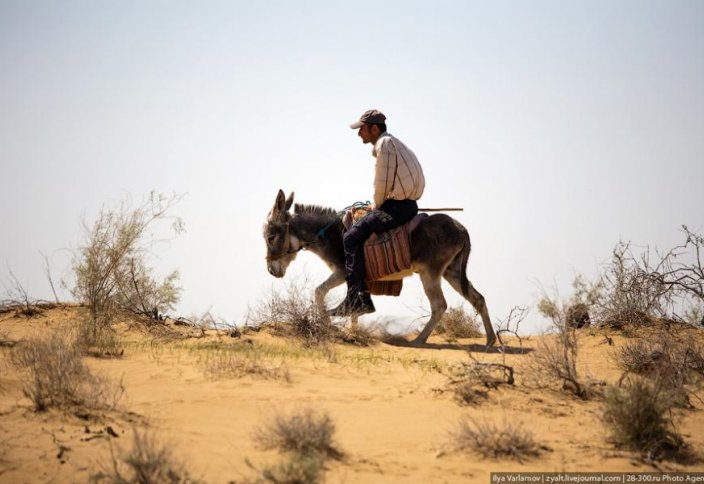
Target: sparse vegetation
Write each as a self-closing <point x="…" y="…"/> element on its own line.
<point x="57" y="377"/>
<point x="359" y="335"/>
<point x="224" y="363"/>
<point x="292" y="312"/>
<point x="297" y="469"/>
<point x="641" y="289"/>
<point x="489" y="440"/>
<point x="638" y="416"/>
<point x="307" y="436"/>
<point x="669" y="363"/>
<point x="457" y="323"/>
<point x="631" y="295"/>
<point x="467" y="393"/>
<point x="555" y="358"/>
<point x="111" y="271"/>
<point x="18" y="300"/>
<point x="148" y="462"/>
<point x="469" y="381"/>
<point x="304" y="431"/>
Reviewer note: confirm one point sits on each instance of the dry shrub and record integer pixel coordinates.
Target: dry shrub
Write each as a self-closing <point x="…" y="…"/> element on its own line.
<point x="555" y="357"/>
<point x="457" y="323"/>
<point x="669" y="363"/>
<point x="111" y="271"/>
<point x="19" y="301"/>
<point x="231" y="364"/>
<point x="59" y="378"/>
<point x="146" y="463"/>
<point x="359" y="335"/>
<point x="97" y="337"/>
<point x="631" y="295"/>
<point x="466" y="393"/>
<point x="292" y="312"/>
<point x="307" y="436"/>
<point x="469" y="381"/>
<point x="574" y="313"/>
<point x="638" y="415"/>
<point x="298" y="469"/>
<point x="641" y="289"/>
<point x="489" y="440"/>
<point x="303" y="432"/>
<point x="577" y="316"/>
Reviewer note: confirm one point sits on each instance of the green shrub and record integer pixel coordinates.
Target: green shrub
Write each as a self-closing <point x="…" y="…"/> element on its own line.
<point x="638" y="416"/>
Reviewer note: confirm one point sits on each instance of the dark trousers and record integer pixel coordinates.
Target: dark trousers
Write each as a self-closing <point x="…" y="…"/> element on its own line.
<point x="391" y="214"/>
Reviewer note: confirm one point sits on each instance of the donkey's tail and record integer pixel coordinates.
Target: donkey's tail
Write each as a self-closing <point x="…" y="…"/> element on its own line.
<point x="464" y="281"/>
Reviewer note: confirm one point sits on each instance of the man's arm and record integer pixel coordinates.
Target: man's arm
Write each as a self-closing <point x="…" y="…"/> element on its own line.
<point x="384" y="173"/>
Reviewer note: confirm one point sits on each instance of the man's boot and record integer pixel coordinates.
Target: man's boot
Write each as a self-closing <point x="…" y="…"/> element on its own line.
<point x="356" y="302"/>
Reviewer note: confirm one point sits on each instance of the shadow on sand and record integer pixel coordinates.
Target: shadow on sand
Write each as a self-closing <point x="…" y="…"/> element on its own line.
<point x="474" y="348"/>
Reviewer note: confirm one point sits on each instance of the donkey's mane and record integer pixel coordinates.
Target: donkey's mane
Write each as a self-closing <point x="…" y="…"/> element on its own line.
<point x="301" y="209"/>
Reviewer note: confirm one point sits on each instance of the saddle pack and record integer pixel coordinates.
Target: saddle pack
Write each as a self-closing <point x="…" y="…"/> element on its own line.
<point x="387" y="258"/>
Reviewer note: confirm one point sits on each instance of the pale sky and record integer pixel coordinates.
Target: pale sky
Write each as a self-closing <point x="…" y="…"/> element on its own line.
<point x="560" y="126"/>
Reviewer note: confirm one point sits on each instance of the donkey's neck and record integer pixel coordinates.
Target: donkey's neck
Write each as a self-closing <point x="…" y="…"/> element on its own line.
<point x="320" y="229"/>
<point x="311" y="230"/>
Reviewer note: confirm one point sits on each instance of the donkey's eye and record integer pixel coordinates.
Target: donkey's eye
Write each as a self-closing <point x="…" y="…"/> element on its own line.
<point x="271" y="237"/>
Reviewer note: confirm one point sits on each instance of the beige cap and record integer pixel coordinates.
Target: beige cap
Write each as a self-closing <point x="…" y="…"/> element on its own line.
<point x="373" y="116"/>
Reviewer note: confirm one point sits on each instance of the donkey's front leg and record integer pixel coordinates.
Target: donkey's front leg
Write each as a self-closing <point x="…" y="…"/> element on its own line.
<point x="335" y="279"/>
<point x="433" y="289"/>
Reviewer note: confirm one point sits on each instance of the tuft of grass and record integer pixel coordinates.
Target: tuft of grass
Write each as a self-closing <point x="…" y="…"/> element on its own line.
<point x="359" y="335"/>
<point x="298" y="469"/>
<point x="457" y="323"/>
<point x="304" y="432"/>
<point x="232" y="364"/>
<point x="307" y="436"/>
<point x="489" y="440"/>
<point x="57" y="376"/>
<point x="466" y="393"/>
<point x="638" y="416"/>
<point x="146" y="463"/>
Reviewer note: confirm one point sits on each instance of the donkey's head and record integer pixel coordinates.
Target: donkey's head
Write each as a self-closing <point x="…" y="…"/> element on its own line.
<point x="279" y="250"/>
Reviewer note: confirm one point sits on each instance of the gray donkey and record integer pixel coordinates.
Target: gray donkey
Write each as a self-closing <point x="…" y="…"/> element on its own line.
<point x="439" y="248"/>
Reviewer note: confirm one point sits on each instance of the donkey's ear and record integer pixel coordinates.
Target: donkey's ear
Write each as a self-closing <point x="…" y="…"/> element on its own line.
<point x="279" y="203"/>
<point x="289" y="201"/>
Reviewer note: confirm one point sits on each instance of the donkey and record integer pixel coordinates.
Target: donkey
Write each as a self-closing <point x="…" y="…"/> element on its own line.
<point x="439" y="248"/>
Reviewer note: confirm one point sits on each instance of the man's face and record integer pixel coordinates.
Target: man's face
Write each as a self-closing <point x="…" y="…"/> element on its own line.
<point x="369" y="133"/>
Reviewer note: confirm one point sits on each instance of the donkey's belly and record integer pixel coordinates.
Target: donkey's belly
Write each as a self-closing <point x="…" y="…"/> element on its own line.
<point x="397" y="276"/>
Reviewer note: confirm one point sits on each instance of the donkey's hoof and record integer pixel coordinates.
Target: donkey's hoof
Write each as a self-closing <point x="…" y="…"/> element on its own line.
<point x="417" y="342"/>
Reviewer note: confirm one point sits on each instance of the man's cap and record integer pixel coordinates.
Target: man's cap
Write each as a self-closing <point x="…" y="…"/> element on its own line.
<point x="373" y="116"/>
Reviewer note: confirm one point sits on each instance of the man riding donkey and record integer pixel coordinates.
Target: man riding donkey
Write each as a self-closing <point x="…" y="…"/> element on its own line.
<point x="398" y="183"/>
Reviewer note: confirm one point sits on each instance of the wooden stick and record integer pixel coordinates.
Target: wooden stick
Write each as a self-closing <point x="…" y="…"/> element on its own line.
<point x="440" y="209"/>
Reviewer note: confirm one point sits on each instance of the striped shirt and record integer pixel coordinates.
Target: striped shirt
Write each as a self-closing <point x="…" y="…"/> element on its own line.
<point x="398" y="174"/>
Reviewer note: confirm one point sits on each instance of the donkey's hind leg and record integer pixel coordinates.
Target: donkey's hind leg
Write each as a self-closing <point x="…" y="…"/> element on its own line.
<point x="433" y="289"/>
<point x="453" y="275"/>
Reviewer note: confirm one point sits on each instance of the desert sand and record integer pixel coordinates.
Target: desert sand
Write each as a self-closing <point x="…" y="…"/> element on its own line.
<point x="390" y="404"/>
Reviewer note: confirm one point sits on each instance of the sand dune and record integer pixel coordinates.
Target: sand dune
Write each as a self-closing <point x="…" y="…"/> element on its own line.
<point x="390" y="405"/>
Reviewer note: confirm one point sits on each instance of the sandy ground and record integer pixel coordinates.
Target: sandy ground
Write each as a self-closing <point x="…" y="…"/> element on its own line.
<point x="388" y="402"/>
